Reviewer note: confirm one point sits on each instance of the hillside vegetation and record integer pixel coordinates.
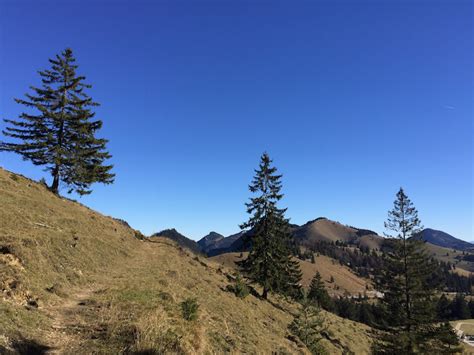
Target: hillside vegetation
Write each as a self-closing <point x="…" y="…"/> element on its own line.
<point x="75" y="281"/>
<point x="339" y="280"/>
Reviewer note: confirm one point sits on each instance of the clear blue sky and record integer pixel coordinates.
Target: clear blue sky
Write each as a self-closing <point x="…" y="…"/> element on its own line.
<point x="352" y="99"/>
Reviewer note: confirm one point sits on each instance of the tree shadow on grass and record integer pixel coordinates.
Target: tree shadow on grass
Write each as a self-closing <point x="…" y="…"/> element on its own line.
<point x="25" y="347"/>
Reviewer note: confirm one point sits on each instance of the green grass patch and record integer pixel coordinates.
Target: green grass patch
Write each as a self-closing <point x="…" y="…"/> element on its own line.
<point x="143" y="297"/>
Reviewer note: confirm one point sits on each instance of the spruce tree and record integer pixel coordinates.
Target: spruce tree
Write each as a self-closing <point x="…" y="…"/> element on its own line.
<point x="270" y="262"/>
<point x="60" y="132"/>
<point x="471" y="308"/>
<point x="309" y="326"/>
<point x="443" y="309"/>
<point x="318" y="294"/>
<point x="405" y="282"/>
<point x="460" y="308"/>
<point x="446" y="341"/>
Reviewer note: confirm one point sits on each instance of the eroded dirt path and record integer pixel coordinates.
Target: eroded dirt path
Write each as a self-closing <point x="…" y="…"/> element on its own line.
<point x="70" y="321"/>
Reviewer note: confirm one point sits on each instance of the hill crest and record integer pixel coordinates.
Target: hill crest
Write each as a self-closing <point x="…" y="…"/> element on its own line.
<point x="444" y="239"/>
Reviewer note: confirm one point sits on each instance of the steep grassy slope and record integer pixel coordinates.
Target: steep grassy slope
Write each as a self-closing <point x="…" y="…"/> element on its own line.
<point x="345" y="281"/>
<point x="48" y="245"/>
<point x="74" y="281"/>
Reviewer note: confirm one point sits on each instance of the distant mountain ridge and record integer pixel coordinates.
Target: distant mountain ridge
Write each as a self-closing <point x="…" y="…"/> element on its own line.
<point x="315" y="231"/>
<point x="180" y="239"/>
<point x="444" y="239"/>
<point x="209" y="240"/>
<point x="225" y="245"/>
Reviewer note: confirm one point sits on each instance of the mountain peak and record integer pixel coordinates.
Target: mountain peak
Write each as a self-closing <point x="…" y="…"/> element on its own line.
<point x="210" y="239"/>
<point x="173" y="234"/>
<point x="444" y="239"/>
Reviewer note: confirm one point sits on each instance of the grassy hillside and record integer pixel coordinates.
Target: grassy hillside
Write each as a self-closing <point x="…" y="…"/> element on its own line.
<point x="345" y="281"/>
<point x="323" y="229"/>
<point x="452" y="255"/>
<point x="371" y="242"/>
<point x="75" y="281"/>
<point x="49" y="245"/>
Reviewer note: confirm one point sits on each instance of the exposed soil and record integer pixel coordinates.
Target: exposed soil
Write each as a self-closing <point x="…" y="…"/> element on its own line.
<point x="70" y="322"/>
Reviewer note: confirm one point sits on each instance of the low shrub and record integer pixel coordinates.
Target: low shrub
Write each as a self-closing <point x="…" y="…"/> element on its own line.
<point x="189" y="309"/>
<point x="239" y="288"/>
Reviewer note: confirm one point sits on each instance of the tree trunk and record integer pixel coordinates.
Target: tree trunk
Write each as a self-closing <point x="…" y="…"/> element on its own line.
<point x="55" y="184"/>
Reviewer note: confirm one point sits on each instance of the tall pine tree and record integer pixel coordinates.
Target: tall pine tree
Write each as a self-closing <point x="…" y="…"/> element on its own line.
<point x="61" y="134"/>
<point x="405" y="282"/>
<point x="270" y="262"/>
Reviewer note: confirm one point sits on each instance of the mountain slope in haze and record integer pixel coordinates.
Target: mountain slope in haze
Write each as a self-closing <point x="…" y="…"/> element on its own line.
<point x="183" y="241"/>
<point x="444" y="239"/>
<point x="76" y="282"/>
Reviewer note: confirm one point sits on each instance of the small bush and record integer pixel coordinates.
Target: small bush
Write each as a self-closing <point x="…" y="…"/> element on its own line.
<point x="13" y="177"/>
<point x="139" y="235"/>
<point x="190" y="309"/>
<point x="239" y="288"/>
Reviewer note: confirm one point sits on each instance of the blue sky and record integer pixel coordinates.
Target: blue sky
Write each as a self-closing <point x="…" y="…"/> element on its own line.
<point x="352" y="99"/>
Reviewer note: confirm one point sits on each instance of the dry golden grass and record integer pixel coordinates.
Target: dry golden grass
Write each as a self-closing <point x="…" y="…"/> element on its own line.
<point x="451" y="255"/>
<point x="327" y="230"/>
<point x="468" y="328"/>
<point x="371" y="241"/>
<point x="100" y="290"/>
<point x="345" y="281"/>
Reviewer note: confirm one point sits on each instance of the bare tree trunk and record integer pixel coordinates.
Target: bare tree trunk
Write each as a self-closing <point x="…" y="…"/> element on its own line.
<point x="55" y="184"/>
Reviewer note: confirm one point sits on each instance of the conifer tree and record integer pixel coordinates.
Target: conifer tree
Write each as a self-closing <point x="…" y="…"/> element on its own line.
<point x="318" y="294"/>
<point x="308" y="326"/>
<point x="446" y="341"/>
<point x="405" y="282"/>
<point x="61" y="132"/>
<point x="460" y="308"/>
<point x="443" y="310"/>
<point x="471" y="307"/>
<point x="270" y="262"/>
